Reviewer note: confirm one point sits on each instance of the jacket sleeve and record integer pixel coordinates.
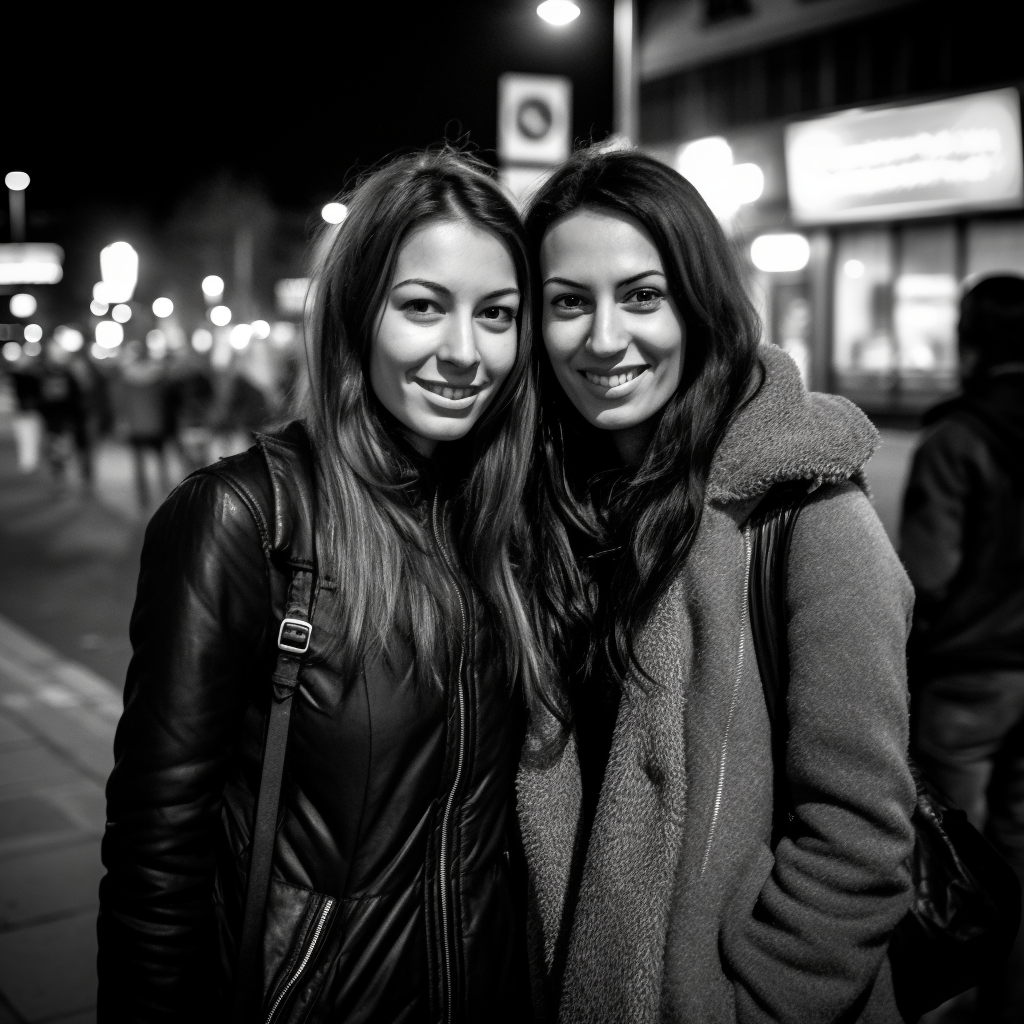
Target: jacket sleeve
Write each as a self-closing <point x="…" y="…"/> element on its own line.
<point x="200" y="617"/>
<point x="934" y="510"/>
<point x="817" y="938"/>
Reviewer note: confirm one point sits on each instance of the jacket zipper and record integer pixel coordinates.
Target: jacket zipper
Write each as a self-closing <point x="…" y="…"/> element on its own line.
<point x="720" y="788"/>
<point x="297" y="973"/>
<point x="446" y="819"/>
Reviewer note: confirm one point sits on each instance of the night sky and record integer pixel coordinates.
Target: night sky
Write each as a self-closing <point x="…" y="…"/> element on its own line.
<point x="131" y="111"/>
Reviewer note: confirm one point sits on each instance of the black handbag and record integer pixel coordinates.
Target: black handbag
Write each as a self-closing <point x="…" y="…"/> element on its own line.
<point x="966" y="908"/>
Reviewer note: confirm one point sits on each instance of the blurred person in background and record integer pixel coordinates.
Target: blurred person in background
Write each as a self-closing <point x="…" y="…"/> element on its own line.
<point x="27" y="423"/>
<point x="63" y="404"/>
<point x="962" y="542"/>
<point x="190" y="399"/>
<point x="145" y="415"/>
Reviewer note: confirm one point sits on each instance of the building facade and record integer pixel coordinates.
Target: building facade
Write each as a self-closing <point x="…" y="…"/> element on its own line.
<point x="876" y="143"/>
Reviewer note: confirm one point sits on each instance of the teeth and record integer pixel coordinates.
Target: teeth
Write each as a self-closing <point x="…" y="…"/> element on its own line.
<point x="452" y="394"/>
<point x="614" y="380"/>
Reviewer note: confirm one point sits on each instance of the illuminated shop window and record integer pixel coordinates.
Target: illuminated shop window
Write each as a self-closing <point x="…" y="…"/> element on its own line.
<point x="896" y="308"/>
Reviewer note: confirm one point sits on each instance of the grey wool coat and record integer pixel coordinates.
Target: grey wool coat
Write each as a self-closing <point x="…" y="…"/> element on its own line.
<point x="683" y="913"/>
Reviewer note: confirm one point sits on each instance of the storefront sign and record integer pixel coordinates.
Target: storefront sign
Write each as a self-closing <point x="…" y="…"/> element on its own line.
<point x="916" y="161"/>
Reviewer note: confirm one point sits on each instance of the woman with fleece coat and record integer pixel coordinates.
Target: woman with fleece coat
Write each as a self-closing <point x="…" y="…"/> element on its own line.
<point x="645" y="798"/>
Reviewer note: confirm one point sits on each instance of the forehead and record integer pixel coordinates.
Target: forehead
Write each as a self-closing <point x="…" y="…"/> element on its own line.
<point x="597" y="242"/>
<point x="450" y="251"/>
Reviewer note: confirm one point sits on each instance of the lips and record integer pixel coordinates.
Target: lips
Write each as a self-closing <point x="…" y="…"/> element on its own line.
<point x="613" y="380"/>
<point x="452" y="393"/>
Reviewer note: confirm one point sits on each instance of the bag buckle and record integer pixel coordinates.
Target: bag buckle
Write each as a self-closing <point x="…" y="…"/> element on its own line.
<point x="294" y="636"/>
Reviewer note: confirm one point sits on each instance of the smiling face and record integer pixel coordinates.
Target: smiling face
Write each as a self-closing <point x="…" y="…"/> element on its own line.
<point x="614" y="337"/>
<point x="447" y="334"/>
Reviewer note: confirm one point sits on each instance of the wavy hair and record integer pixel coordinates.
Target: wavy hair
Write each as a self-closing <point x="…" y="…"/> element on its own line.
<point x="607" y="543"/>
<point x="372" y="532"/>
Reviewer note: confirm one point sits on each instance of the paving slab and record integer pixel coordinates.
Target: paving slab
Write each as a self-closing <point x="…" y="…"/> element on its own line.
<point x="49" y="884"/>
<point x="49" y="970"/>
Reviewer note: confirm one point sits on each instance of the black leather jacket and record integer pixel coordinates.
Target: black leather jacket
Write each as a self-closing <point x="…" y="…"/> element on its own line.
<point x="391" y="896"/>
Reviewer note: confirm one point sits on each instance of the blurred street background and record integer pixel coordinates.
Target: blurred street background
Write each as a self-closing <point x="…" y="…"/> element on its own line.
<point x="167" y="188"/>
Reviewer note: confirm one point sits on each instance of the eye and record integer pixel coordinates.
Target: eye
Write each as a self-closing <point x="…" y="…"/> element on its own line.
<point x="570" y="304"/>
<point x="421" y="309"/>
<point x="644" y="299"/>
<point x="497" y="314"/>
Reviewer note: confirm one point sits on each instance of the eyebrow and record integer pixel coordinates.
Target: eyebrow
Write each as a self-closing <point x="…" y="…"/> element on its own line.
<point x="442" y="290"/>
<point x="618" y="284"/>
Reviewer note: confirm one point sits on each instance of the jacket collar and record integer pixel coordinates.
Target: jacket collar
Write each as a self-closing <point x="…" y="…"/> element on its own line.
<point x="784" y="433"/>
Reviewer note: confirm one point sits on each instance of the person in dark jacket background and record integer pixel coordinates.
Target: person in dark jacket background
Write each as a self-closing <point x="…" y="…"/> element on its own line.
<point x="962" y="542"/>
<point x="392" y="893"/>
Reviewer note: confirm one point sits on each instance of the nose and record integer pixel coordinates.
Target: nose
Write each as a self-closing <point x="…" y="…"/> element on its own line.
<point x="458" y="347"/>
<point x="607" y="335"/>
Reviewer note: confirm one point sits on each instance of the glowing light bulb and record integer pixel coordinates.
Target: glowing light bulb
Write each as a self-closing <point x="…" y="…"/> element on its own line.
<point x="558" y="12"/>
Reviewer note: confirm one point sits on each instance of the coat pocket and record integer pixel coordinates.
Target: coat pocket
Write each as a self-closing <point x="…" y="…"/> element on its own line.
<point x="297" y="925"/>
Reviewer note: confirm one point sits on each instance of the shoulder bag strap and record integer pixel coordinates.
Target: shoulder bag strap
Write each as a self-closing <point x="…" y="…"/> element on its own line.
<point x="771" y="532"/>
<point x="293" y="639"/>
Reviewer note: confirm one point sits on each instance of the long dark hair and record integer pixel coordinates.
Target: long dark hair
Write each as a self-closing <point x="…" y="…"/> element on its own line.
<point x="372" y="533"/>
<point x="608" y="543"/>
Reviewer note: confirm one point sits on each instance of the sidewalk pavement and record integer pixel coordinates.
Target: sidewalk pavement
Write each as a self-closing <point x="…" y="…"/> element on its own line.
<point x="57" y="721"/>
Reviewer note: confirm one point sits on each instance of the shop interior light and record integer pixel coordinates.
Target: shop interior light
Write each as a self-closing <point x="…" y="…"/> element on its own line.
<point x="122" y="313"/>
<point x="334" y="213"/>
<point x="777" y="254"/>
<point x="260" y="329"/>
<point x="558" y="12"/>
<point x="213" y="286"/>
<point x="119" y="263"/>
<point x="220" y="316"/>
<point x="98" y="308"/>
<point x="162" y="307"/>
<point x="854" y="269"/>
<point x="202" y="340"/>
<point x="240" y="336"/>
<point x="17" y="181"/>
<point x="23" y="305"/>
<point x="69" y="338"/>
<point x="109" y="334"/>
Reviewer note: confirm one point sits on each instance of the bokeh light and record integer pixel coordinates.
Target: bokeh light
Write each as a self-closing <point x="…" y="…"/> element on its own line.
<point x="98" y="308"/>
<point x="122" y="313"/>
<point x="17" y="181"/>
<point x="156" y="344"/>
<point x="213" y="286"/>
<point x="202" y="340"/>
<point x="69" y="338"/>
<point x="119" y="263"/>
<point x="334" y="213"/>
<point x="220" y="316"/>
<point x="109" y="334"/>
<point x="32" y="348"/>
<point x="853" y="269"/>
<point x="12" y="351"/>
<point x="260" y="329"/>
<point x="240" y="336"/>
<point x="23" y="305"/>
<point x="779" y="254"/>
<point x="33" y="332"/>
<point x="162" y="307"/>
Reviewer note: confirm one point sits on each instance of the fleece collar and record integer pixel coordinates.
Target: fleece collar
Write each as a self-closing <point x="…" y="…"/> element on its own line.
<point x="786" y="433"/>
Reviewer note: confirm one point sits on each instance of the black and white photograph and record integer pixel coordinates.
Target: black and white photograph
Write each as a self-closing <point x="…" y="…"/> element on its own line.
<point x="512" y="513"/>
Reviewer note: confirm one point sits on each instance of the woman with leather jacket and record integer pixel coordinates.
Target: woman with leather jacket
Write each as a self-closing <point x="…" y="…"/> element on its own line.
<point x="664" y="885"/>
<point x="383" y="527"/>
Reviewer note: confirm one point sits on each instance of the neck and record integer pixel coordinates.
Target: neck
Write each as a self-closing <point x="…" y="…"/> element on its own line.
<point x="631" y="442"/>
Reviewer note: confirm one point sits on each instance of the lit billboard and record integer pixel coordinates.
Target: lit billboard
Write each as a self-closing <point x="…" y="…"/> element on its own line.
<point x="915" y="161"/>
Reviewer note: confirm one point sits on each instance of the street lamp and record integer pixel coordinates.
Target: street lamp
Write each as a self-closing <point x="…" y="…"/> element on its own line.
<point x="17" y="182"/>
<point x="624" y="78"/>
<point x="558" y="12"/>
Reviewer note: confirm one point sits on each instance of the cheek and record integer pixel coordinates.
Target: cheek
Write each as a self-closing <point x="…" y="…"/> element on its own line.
<point x="498" y="354"/>
<point x="562" y="338"/>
